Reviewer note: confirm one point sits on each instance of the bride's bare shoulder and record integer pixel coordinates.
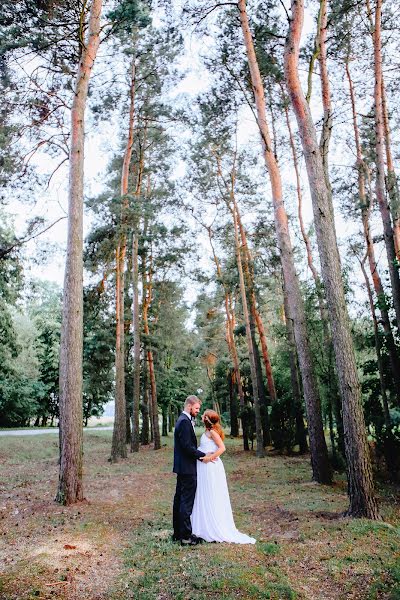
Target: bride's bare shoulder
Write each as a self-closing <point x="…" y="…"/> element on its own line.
<point x="215" y="436"/>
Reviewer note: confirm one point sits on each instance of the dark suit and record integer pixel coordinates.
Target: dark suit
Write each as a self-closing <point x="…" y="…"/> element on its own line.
<point x="185" y="456"/>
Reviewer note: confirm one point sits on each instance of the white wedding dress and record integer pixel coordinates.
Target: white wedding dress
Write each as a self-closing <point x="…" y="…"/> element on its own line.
<point x="212" y="517"/>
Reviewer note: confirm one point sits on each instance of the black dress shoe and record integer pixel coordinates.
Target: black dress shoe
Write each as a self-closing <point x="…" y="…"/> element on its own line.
<point x="189" y="542"/>
<point x="198" y="540"/>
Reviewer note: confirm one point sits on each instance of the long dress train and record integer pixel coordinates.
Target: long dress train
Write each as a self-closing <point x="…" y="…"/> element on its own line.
<point x="212" y="517"/>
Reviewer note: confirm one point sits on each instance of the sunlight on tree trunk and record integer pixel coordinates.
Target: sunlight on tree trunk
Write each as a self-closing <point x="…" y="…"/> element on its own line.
<point x="71" y="413"/>
<point x="360" y="482"/>
<point x="319" y="452"/>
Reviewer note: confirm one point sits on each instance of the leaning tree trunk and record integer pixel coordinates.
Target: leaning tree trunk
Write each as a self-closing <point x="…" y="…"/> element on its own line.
<point x="360" y="482"/>
<point x="380" y="165"/>
<point x="71" y="436"/>
<point x="250" y="349"/>
<point x="319" y="452"/>
<point x="331" y="378"/>
<point x="249" y="273"/>
<point x="365" y="207"/>
<point x="324" y="142"/>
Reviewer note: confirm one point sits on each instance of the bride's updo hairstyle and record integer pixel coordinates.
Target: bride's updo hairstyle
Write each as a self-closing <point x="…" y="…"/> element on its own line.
<point x="212" y="421"/>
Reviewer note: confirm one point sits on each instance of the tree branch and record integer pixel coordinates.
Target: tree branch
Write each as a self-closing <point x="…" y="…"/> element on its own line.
<point x="5" y="251"/>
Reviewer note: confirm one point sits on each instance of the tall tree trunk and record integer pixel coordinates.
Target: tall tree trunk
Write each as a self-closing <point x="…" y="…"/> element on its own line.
<point x="301" y="436"/>
<point x="378" y="347"/>
<point x="128" y="439"/>
<point x="171" y="420"/>
<point x="118" y="448"/>
<point x="261" y="389"/>
<point x="392" y="185"/>
<point x="250" y="349"/>
<point x="360" y="482"/>
<point x="136" y="345"/>
<point x="248" y="268"/>
<point x="164" y="430"/>
<point x="390" y="444"/>
<point x="365" y="207"/>
<point x="230" y="337"/>
<point x="319" y="452"/>
<point x="380" y="165"/>
<point x="147" y="291"/>
<point x="144" y="407"/>
<point x="331" y="377"/>
<point x="233" y="405"/>
<point x="71" y="436"/>
<point x="149" y="404"/>
<point x="325" y="90"/>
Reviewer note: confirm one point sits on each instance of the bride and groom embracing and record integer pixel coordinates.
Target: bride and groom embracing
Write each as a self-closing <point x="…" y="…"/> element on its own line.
<point x="202" y="508"/>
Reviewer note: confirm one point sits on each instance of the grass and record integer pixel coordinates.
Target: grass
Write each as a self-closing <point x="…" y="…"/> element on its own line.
<point x="116" y="545"/>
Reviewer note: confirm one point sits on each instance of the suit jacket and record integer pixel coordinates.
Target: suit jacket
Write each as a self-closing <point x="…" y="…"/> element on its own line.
<point x="185" y="447"/>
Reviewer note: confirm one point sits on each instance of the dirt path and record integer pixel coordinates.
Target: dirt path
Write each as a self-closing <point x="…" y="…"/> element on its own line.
<point x="44" y="545"/>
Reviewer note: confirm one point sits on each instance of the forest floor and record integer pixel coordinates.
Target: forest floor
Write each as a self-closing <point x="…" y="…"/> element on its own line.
<point x="116" y="545"/>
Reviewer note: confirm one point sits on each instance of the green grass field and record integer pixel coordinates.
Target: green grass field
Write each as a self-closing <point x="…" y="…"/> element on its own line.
<point x="116" y="545"/>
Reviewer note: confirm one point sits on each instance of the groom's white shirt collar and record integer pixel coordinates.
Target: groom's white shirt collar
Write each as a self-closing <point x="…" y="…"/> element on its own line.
<point x="189" y="417"/>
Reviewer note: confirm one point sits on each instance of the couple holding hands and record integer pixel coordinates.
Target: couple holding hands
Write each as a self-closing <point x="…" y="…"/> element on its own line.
<point x="202" y="508"/>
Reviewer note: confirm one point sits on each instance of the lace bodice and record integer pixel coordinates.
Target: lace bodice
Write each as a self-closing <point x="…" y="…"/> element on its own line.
<point x="207" y="444"/>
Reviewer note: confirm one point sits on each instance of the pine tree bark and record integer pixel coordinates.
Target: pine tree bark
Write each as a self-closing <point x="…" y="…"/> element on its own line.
<point x="365" y="208"/>
<point x="71" y="346"/>
<point x="360" y="482"/>
<point x="319" y="452"/>
<point x="380" y="164"/>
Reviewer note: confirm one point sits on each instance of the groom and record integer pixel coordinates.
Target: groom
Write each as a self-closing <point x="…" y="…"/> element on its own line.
<point x="185" y="456"/>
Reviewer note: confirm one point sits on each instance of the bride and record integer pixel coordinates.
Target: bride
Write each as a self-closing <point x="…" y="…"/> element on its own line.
<point x="212" y="517"/>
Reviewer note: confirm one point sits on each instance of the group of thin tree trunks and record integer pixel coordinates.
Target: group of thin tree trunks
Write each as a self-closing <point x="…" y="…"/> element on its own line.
<point x="248" y="405"/>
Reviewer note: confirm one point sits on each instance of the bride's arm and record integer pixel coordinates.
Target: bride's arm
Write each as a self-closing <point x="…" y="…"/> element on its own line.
<point x="221" y="446"/>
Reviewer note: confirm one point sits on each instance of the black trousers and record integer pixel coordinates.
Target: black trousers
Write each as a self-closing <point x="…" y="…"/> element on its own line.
<point x="183" y="505"/>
